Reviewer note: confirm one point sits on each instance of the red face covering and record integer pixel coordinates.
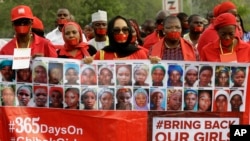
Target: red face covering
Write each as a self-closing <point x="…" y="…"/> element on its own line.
<point x="101" y="31"/>
<point x="173" y="35"/>
<point x="198" y="28"/>
<point x="62" y="21"/>
<point x="121" y="37"/>
<point x="72" y="42"/>
<point x="159" y="27"/>
<point x="226" y="42"/>
<point x="23" y="29"/>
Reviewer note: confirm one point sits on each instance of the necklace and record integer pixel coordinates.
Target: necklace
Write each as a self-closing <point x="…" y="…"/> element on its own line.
<point x="28" y="45"/>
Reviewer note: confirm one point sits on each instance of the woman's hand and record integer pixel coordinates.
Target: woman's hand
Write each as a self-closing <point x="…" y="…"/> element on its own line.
<point x="154" y="59"/>
<point x="88" y="59"/>
<point x="37" y="55"/>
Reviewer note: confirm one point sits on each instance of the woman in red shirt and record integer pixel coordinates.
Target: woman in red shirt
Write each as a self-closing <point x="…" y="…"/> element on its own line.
<point x="120" y="47"/>
<point x="74" y="46"/>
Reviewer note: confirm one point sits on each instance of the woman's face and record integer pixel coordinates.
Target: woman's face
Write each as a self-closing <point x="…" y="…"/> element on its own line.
<point x="71" y="32"/>
<point x="40" y="74"/>
<point x="221" y="103"/>
<point x="140" y="75"/>
<point x="174" y="102"/>
<point x="71" y="76"/>
<point x="106" y="100"/>
<point x="141" y="99"/>
<point x="204" y="101"/>
<point x="191" y="77"/>
<point x="105" y="77"/>
<point x="223" y="79"/>
<point x="24" y="96"/>
<point x="88" y="77"/>
<point x="175" y="77"/>
<point x="158" y="75"/>
<point x="8" y="97"/>
<point x="56" y="98"/>
<point x="205" y="78"/>
<point x="71" y="99"/>
<point x="239" y="78"/>
<point x="89" y="100"/>
<point x="190" y="101"/>
<point x="157" y="99"/>
<point x="120" y="30"/>
<point x="124" y="98"/>
<point x="123" y="75"/>
<point x="236" y="101"/>
<point x="55" y="75"/>
<point x="24" y="75"/>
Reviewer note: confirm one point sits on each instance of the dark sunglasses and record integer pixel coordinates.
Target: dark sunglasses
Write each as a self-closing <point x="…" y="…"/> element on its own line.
<point x="117" y="30"/>
<point x="21" y="22"/>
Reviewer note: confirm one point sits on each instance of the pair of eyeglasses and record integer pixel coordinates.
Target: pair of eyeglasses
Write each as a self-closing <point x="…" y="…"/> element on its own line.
<point x="22" y="21"/>
<point x="117" y="30"/>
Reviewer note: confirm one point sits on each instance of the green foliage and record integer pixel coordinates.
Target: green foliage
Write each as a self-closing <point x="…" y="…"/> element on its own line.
<point x="203" y="6"/>
<point x="82" y="10"/>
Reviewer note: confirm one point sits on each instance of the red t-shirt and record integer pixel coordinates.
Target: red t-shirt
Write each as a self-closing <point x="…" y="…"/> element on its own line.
<point x="103" y="55"/>
<point x="39" y="46"/>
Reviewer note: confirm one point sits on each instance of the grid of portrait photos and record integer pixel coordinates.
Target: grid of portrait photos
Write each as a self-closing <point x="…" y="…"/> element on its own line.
<point x="134" y="85"/>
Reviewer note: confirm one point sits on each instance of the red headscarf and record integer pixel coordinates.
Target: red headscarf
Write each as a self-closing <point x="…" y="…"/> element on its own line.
<point x="225" y="7"/>
<point x="59" y="89"/>
<point x="224" y="20"/>
<point x="81" y="43"/>
<point x="37" y="23"/>
<point x="215" y="10"/>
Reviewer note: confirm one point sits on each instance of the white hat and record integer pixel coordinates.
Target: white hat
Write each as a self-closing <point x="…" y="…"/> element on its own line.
<point x="99" y="16"/>
<point x="221" y="92"/>
<point x="236" y="92"/>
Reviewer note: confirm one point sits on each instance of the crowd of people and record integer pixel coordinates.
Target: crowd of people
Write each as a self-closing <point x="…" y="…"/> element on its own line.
<point x="178" y="37"/>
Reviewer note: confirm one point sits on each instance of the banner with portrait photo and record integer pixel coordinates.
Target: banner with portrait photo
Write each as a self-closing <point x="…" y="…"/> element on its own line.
<point x="176" y="88"/>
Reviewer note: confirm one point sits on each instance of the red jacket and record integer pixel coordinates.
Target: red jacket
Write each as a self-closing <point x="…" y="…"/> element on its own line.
<point x="39" y="46"/>
<point x="187" y="50"/>
<point x="210" y="35"/>
<point x="150" y="40"/>
<point x="103" y="55"/>
<point x="211" y="52"/>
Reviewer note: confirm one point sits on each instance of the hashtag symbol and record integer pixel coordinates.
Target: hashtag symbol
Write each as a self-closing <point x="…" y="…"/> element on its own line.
<point x="159" y="124"/>
<point x="11" y="126"/>
<point x="13" y="139"/>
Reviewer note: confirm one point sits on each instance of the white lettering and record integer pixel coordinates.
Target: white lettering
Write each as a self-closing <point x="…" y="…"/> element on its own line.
<point x="44" y="128"/>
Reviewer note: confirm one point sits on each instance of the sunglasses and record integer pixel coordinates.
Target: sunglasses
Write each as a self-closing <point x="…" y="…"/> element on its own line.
<point x="21" y="22"/>
<point x="117" y="30"/>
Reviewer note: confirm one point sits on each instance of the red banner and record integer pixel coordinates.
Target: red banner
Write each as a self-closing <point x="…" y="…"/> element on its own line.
<point x="38" y="124"/>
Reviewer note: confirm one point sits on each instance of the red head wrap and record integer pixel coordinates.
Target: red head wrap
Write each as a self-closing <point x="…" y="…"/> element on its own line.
<point x="225" y="7"/>
<point x="37" y="23"/>
<point x="224" y="20"/>
<point x="215" y="10"/>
